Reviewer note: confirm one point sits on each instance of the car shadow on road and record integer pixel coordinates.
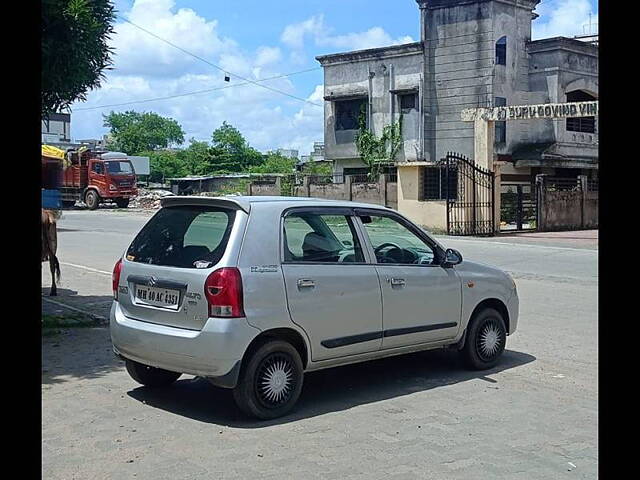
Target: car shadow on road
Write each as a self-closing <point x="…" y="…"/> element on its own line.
<point x="329" y="390"/>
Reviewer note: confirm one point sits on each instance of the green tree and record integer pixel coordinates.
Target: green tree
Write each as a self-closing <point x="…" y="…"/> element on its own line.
<point x="275" y="163"/>
<point x="377" y="152"/>
<point x="231" y="151"/>
<point x="75" y="51"/>
<point x="317" y="168"/>
<point x="198" y="158"/>
<point x="165" y="164"/>
<point x="135" y="132"/>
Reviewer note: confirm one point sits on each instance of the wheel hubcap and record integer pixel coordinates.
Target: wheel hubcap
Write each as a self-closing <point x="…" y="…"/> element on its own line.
<point x="489" y="340"/>
<point x="275" y="380"/>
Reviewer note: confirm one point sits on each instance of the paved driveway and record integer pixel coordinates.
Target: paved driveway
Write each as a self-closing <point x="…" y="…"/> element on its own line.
<point x="414" y="416"/>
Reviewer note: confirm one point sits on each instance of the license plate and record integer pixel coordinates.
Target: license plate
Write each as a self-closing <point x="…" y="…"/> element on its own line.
<point x="157" y="297"/>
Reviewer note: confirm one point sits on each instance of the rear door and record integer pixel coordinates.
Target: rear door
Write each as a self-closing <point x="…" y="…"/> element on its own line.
<point x="332" y="293"/>
<point x="165" y="268"/>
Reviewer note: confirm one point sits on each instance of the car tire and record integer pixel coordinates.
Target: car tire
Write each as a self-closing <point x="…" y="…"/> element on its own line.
<point x="122" y="202"/>
<point x="485" y="341"/>
<point x="150" y="376"/>
<point x="92" y="199"/>
<point x="270" y="381"/>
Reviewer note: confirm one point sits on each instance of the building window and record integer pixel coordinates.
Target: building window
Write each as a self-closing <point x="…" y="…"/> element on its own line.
<point x="348" y="113"/>
<point x="581" y="124"/>
<point x="434" y="183"/>
<point x="501" y="51"/>
<point x="408" y="102"/>
<point x="501" y="127"/>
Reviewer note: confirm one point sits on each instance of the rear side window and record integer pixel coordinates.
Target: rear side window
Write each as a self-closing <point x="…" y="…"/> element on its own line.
<point x="185" y="237"/>
<point x="321" y="238"/>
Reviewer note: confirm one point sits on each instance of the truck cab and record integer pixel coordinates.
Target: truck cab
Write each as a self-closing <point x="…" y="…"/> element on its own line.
<point x="111" y="177"/>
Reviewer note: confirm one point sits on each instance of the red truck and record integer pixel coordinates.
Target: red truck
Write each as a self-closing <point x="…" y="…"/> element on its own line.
<point x="97" y="177"/>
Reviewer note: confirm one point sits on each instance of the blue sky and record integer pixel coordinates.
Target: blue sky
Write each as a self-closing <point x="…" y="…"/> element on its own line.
<point x="256" y="40"/>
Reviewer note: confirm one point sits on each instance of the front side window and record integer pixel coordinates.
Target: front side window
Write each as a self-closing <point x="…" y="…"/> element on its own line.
<point x="394" y="243"/>
<point x="98" y="168"/>
<point x="501" y="51"/>
<point x="310" y="237"/>
<point x="186" y="237"/>
<point x="348" y="113"/>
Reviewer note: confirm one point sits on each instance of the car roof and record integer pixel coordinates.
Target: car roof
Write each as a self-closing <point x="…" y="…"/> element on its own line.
<point x="244" y="202"/>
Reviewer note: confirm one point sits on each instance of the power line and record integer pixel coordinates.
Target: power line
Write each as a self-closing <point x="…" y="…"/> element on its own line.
<point x="196" y="92"/>
<point x="217" y="66"/>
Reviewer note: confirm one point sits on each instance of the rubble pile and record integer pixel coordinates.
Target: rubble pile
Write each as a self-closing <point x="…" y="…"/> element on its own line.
<point x="149" y="199"/>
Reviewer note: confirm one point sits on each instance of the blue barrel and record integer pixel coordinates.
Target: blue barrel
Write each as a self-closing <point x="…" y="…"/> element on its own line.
<point x="51" y="199"/>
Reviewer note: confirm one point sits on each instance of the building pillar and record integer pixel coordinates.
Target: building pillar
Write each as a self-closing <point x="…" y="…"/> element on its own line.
<point x="484" y="137"/>
<point x="583" y="188"/>
<point x="306" y="186"/>
<point x="347" y="187"/>
<point x="382" y="182"/>
<point x="497" y="190"/>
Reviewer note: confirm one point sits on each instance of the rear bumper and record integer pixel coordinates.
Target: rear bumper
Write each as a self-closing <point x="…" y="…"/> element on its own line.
<point x="215" y="351"/>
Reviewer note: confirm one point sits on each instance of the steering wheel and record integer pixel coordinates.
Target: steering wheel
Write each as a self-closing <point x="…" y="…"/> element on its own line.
<point x="386" y="245"/>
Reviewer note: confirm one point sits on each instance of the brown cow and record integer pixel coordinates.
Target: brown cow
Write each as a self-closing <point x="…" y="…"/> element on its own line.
<point x="49" y="247"/>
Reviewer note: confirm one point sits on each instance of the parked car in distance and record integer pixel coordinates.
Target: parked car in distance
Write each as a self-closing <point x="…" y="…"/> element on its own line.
<point x="252" y="292"/>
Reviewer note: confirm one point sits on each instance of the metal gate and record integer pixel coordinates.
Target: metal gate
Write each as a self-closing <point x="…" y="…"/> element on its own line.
<point x="518" y="207"/>
<point x="470" y="197"/>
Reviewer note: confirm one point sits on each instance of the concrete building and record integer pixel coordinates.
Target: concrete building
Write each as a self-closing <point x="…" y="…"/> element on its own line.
<point x="316" y="156"/>
<point x="288" y="152"/>
<point x="56" y="129"/>
<point x="472" y="53"/>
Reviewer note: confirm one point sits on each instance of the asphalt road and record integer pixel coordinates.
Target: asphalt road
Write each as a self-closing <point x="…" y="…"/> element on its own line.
<point x="417" y="416"/>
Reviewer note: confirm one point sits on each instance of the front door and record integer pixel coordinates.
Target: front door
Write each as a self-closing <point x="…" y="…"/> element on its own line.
<point x="98" y="176"/>
<point x="421" y="300"/>
<point x="332" y="293"/>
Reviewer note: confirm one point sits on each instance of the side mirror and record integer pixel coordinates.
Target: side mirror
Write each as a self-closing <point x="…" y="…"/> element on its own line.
<point x="451" y="257"/>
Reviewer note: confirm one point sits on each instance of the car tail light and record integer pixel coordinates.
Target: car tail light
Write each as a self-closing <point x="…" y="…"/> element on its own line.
<point x="115" y="278"/>
<point x="223" y="289"/>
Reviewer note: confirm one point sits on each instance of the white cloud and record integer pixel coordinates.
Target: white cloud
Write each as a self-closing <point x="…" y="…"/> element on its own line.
<point x="146" y="67"/>
<point x="294" y="36"/>
<point x="137" y="52"/>
<point x="563" y="18"/>
<point x="268" y="55"/>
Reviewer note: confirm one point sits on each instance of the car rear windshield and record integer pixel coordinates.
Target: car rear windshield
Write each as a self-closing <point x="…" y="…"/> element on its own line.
<point x="184" y="236"/>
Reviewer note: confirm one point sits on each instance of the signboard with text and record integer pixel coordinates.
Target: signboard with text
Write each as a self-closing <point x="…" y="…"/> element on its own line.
<point x="528" y="112"/>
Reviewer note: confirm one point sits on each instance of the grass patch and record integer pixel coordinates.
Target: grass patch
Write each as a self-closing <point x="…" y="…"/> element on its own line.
<point x="52" y="324"/>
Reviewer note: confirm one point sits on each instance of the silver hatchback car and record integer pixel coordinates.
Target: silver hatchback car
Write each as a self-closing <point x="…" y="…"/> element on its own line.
<point x="251" y="292"/>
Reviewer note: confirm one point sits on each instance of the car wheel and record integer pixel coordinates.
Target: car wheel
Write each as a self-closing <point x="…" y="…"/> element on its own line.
<point x="270" y="381"/>
<point x="92" y="199"/>
<point x="122" y="202"/>
<point x="150" y="376"/>
<point x="486" y="340"/>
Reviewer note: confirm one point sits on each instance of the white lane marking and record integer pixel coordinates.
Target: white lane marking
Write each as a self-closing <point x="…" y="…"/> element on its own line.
<point x="86" y="312"/>
<point x="545" y="247"/>
<point x="86" y="268"/>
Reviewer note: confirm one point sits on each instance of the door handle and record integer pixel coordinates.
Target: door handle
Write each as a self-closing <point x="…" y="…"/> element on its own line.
<point x="306" y="283"/>
<point x="399" y="282"/>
